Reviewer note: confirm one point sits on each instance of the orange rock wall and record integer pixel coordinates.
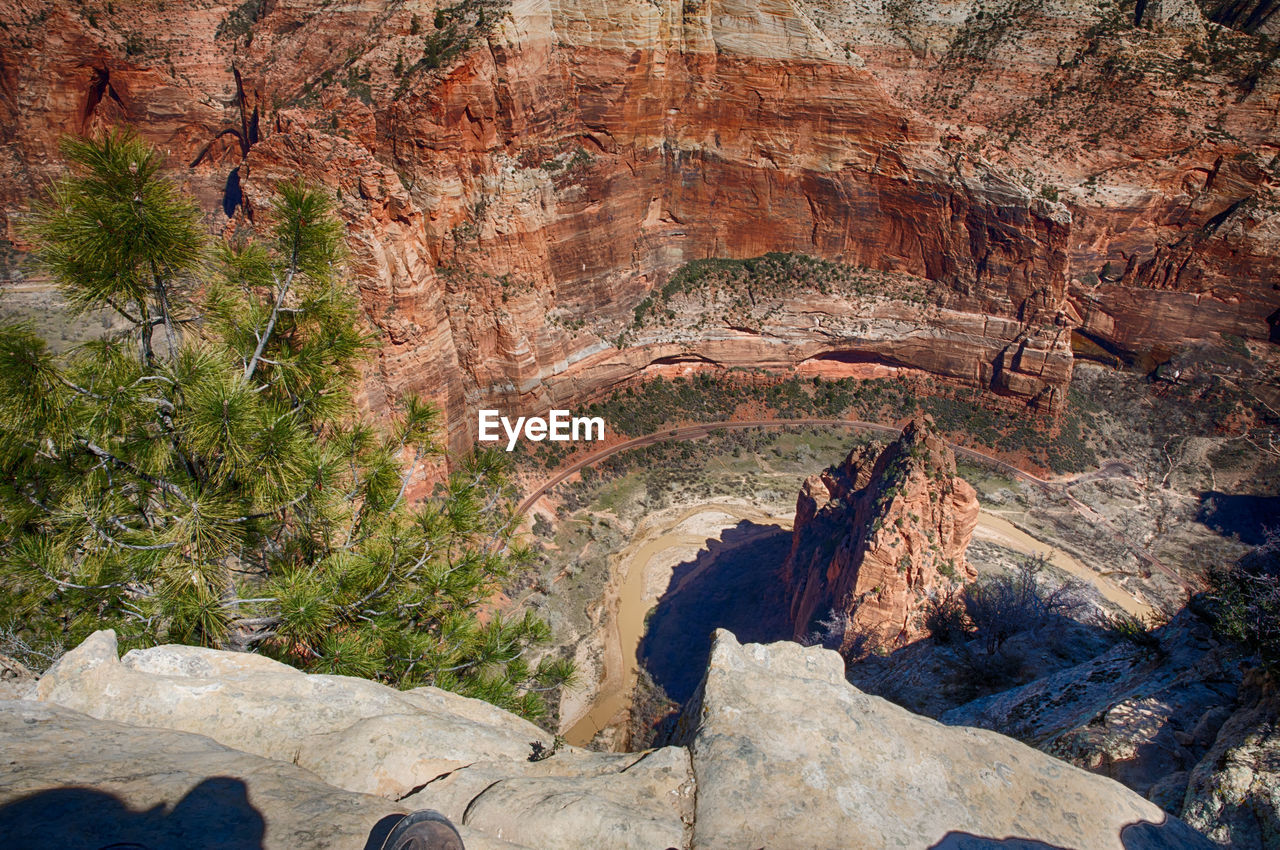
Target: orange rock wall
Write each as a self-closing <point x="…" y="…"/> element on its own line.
<point x="876" y="535"/>
<point x="508" y="209"/>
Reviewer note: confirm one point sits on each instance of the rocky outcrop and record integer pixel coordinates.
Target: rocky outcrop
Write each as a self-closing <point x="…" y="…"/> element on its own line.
<point x="573" y="799"/>
<point x="352" y="733"/>
<point x="809" y="782"/>
<point x="875" y="536"/>
<point x="1233" y="794"/>
<point x="74" y="781"/>
<point x="1171" y="720"/>
<point x="1140" y="715"/>
<point x="425" y="747"/>
<point x="517" y="180"/>
<point x="70" y="780"/>
<point x="846" y="769"/>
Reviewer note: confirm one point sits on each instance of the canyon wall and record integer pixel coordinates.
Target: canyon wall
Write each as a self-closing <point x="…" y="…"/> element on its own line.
<point x="518" y="177"/>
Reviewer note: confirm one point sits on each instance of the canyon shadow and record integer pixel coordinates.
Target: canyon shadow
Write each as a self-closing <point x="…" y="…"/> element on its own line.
<point x="733" y="584"/>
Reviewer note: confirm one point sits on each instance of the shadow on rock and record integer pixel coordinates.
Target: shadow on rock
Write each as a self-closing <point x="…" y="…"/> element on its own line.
<point x="1247" y="517"/>
<point x="1144" y="835"/>
<point x="732" y="584"/>
<point x="969" y="841"/>
<point x="215" y="814"/>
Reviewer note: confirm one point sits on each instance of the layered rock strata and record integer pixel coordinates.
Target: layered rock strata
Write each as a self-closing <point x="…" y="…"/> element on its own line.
<point x="517" y="179"/>
<point x="875" y="536"/>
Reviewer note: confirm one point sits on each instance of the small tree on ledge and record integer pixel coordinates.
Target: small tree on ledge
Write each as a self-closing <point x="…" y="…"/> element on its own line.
<point x="202" y="477"/>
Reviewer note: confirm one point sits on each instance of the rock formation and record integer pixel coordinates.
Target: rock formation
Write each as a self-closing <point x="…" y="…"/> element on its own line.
<point x="933" y="786"/>
<point x="1233" y="793"/>
<point x="1174" y="722"/>
<point x="71" y="780"/>
<point x="125" y="741"/>
<point x="875" y="536"/>
<point x="519" y="178"/>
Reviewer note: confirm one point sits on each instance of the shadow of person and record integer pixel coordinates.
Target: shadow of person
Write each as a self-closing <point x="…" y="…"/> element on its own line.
<point x="214" y="815"/>
<point x="1167" y="834"/>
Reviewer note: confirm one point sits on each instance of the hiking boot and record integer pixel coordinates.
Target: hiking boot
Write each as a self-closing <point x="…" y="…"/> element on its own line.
<point x="424" y="830"/>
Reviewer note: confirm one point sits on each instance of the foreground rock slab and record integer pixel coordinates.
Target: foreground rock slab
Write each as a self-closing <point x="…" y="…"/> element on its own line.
<point x="783" y="753"/>
<point x="70" y="781"/>
<point x="353" y="733"/>
<point x="575" y="799"/>
<point x="425" y="747"/>
<point x="74" y="782"/>
<point x="788" y="754"/>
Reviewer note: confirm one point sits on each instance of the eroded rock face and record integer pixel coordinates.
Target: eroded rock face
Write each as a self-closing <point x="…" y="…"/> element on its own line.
<point x="849" y="770"/>
<point x="515" y="185"/>
<point x="876" y="535"/>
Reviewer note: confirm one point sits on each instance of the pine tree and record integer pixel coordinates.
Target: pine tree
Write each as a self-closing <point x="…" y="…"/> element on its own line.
<point x="203" y="477"/>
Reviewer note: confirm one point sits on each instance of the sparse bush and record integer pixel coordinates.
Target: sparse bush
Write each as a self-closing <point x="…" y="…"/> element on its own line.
<point x="999" y="607"/>
<point x="829" y="632"/>
<point x="945" y="618"/>
<point x="240" y="20"/>
<point x="1126" y="627"/>
<point x="1246" y="599"/>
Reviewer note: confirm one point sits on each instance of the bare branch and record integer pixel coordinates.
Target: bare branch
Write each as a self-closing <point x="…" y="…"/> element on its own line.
<point x="271" y="324"/>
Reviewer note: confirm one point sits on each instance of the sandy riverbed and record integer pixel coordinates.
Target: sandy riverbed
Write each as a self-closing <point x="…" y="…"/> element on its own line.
<point x="642" y="572"/>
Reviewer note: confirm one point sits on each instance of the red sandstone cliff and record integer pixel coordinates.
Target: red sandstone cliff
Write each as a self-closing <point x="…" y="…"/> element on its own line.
<point x="874" y="536"/>
<point x="519" y="178"/>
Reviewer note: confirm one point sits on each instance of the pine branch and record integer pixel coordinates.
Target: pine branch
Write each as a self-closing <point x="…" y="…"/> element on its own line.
<point x="162" y="300"/>
<point x="114" y="542"/>
<point x="167" y="486"/>
<point x="271" y="511"/>
<point x="67" y="585"/>
<point x="122" y="311"/>
<point x="408" y="475"/>
<point x="271" y="324"/>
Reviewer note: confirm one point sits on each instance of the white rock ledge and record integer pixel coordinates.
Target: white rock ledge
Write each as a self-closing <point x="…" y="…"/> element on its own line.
<point x="785" y="754"/>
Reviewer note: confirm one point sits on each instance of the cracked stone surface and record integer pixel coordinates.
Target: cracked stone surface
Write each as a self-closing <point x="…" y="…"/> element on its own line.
<point x="783" y="753"/>
<point x="573" y="799"/>
<point x="784" y="746"/>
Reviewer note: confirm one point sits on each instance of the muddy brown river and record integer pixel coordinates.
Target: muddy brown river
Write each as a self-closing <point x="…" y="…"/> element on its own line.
<point x="642" y="572"/>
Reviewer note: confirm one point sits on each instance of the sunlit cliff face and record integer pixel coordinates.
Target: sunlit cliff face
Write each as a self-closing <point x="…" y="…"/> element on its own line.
<point x="518" y="178"/>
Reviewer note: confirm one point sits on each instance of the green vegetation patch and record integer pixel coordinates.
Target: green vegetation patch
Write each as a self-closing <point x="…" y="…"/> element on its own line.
<point x="744" y="284"/>
<point x="200" y="474"/>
